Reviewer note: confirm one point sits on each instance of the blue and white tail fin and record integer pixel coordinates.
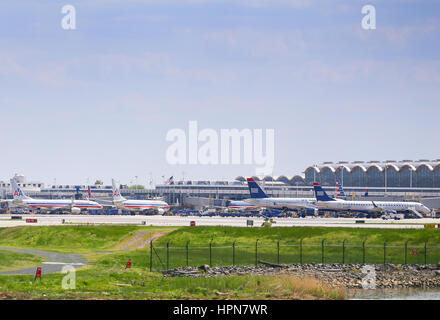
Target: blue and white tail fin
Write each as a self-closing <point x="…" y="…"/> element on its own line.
<point x="320" y="194"/>
<point x="17" y="192"/>
<point x="341" y="192"/>
<point x="255" y="190"/>
<point x="366" y="193"/>
<point x="116" y="193"/>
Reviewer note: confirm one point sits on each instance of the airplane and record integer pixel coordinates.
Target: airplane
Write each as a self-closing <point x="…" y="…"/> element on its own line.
<point x="240" y="205"/>
<point x="260" y="199"/>
<point x="384" y="207"/>
<point x="141" y="206"/>
<point x="50" y="205"/>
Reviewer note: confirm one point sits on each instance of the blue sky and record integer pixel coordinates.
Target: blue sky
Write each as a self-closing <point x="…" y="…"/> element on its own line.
<point x="97" y="102"/>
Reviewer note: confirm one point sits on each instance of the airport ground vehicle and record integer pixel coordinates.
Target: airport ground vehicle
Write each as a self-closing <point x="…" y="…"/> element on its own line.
<point x="395" y="216"/>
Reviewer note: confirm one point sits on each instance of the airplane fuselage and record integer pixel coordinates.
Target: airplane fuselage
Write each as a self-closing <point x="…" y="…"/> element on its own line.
<point x="142" y="205"/>
<point x="277" y="203"/>
<point x="372" y="206"/>
<point x="49" y="204"/>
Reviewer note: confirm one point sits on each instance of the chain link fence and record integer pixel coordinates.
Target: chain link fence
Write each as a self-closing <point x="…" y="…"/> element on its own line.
<point x="168" y="256"/>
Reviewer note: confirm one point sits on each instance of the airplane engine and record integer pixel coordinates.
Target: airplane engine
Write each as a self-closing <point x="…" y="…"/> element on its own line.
<point x="161" y="211"/>
<point x="76" y="210"/>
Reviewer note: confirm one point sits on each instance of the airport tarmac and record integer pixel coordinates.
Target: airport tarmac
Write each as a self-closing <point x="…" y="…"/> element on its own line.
<point x="55" y="220"/>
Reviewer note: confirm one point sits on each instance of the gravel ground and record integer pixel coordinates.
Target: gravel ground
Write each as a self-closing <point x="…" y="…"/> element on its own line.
<point x="350" y="276"/>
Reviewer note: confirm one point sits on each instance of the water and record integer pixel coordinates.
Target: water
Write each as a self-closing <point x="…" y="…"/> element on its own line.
<point x="394" y="294"/>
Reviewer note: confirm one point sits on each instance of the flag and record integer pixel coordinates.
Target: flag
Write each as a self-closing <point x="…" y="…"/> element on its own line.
<point x="169" y="180"/>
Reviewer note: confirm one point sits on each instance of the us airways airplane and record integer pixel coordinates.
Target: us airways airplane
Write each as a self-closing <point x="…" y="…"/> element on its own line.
<point x="144" y="206"/>
<point x="75" y="206"/>
<point x="260" y="199"/>
<point x="384" y="207"/>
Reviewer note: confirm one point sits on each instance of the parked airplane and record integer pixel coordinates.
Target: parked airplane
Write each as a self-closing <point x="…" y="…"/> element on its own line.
<point x="75" y="206"/>
<point x="384" y="207"/>
<point x="145" y="206"/>
<point x="260" y="199"/>
<point x="240" y="205"/>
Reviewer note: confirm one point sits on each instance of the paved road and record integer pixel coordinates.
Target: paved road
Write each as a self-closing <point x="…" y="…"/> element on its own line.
<point x="54" y="261"/>
<point x="48" y="220"/>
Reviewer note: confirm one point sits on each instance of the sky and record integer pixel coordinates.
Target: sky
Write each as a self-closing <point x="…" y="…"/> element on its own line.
<point x="97" y="102"/>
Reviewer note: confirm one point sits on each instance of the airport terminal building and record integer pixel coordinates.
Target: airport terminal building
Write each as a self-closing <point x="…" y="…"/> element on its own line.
<point x="390" y="173"/>
<point x="417" y="180"/>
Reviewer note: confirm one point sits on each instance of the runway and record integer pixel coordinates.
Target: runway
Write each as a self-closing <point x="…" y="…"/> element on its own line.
<point x="57" y="220"/>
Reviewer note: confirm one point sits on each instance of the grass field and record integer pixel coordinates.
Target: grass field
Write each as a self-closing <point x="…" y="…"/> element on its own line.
<point x="340" y="244"/>
<point x="69" y="238"/>
<point x="110" y="247"/>
<point x="12" y="260"/>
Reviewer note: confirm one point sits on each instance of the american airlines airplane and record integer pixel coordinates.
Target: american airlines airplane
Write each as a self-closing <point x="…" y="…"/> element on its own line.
<point x="75" y="206"/>
<point x="240" y="205"/>
<point x="260" y="199"/>
<point x="145" y="206"/>
<point x="385" y="207"/>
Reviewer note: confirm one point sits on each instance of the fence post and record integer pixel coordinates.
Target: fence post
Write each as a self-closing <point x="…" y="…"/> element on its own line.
<point x="210" y="252"/>
<point x="187" y="253"/>
<point x="151" y="255"/>
<point x="406" y="251"/>
<point x="425" y="252"/>
<point x="363" y="251"/>
<point x="343" y="251"/>
<point x="233" y="253"/>
<point x="322" y="250"/>
<point x="168" y="255"/>
<point x="384" y="252"/>
<point x="301" y="251"/>
<point x="278" y="251"/>
<point x="256" y="252"/>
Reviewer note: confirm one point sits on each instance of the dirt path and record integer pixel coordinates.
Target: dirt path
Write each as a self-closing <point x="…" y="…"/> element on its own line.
<point x="55" y="261"/>
<point x="142" y="239"/>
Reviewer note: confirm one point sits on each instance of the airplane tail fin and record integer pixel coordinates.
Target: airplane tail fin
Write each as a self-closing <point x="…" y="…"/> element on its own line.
<point x="320" y="194"/>
<point x="341" y="192"/>
<point x="255" y="190"/>
<point x="116" y="193"/>
<point x="366" y="193"/>
<point x="17" y="192"/>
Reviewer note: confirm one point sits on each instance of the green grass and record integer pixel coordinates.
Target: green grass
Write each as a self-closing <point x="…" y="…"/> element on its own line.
<point x="67" y="238"/>
<point x="290" y="251"/>
<point x="107" y="277"/>
<point x="10" y="260"/>
<point x="226" y="235"/>
<point x="104" y="282"/>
